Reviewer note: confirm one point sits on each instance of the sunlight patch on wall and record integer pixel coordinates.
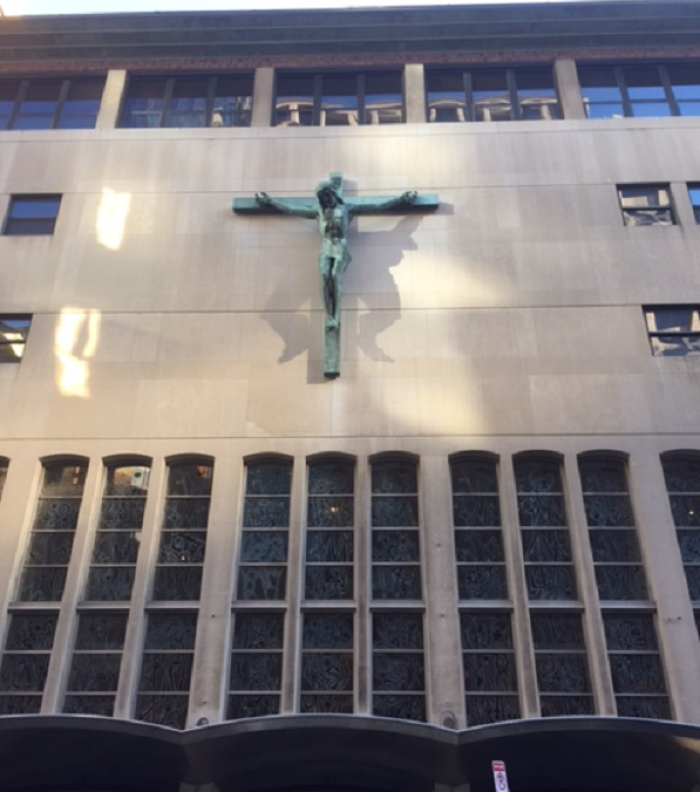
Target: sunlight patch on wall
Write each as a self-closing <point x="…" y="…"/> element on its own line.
<point x="75" y="342"/>
<point x="111" y="218"/>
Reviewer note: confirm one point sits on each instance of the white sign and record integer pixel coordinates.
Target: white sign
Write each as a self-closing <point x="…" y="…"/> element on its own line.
<point x="500" y="779"/>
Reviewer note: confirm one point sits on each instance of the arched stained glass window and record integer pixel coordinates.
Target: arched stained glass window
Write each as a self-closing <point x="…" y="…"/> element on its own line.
<point x="51" y="543"/>
<point x="183" y="536"/>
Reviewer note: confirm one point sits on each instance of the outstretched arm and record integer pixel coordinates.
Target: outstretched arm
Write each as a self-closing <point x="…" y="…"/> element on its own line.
<point x="369" y="207"/>
<point x="263" y="199"/>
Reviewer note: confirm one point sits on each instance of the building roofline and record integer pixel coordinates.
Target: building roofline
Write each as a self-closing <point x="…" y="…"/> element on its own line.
<point x="349" y="35"/>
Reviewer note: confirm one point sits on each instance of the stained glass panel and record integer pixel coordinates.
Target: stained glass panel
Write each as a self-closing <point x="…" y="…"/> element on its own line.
<point x="256" y="665"/>
<point x="397" y="706"/>
<point x="190" y="479"/>
<point x="546" y="546"/>
<point x="269" y="478"/>
<point x="395" y="511"/>
<point x="42" y="584"/>
<point x="395" y="477"/>
<point x="490" y="671"/>
<point x="397" y="631"/>
<point x="328" y="631"/>
<point x="395" y="546"/>
<point x="264" y="547"/>
<point x="479" y="546"/>
<point x="482" y="709"/>
<point x="482" y="582"/>
<point x="331" y="478"/>
<point x="116" y="547"/>
<point x="486" y="631"/>
<point x="615" y="545"/>
<point x="473" y="476"/>
<point x="396" y="582"/>
<point x="327" y="671"/>
<point x="110" y="583"/>
<point x="177" y="583"/>
<point x="252" y="706"/>
<point x="330" y="704"/>
<point x="266" y="512"/>
<point x="550" y="582"/>
<point x="328" y="582"/>
<point x="621" y="583"/>
<point x="262" y="583"/>
<point x="182" y="547"/>
<point x="329" y="546"/>
<point x="256" y="671"/>
<point x="561" y="706"/>
<point x="258" y="631"/>
<point x="165" y="710"/>
<point x="476" y="511"/>
<point x="89" y="705"/>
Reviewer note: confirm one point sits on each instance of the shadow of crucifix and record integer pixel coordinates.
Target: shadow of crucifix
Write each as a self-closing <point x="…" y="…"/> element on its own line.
<point x="333" y="213"/>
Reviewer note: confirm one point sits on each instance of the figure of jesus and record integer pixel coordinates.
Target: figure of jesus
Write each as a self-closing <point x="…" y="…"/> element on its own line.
<point x="334" y="215"/>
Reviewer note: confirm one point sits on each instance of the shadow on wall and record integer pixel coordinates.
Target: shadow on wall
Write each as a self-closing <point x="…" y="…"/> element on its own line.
<point x="296" y="329"/>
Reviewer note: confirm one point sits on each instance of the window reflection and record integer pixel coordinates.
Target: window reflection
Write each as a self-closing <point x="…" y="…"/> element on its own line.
<point x="188" y="102"/>
<point x="50" y="104"/>
<point x="338" y="99"/>
<point x="648" y="91"/>
<point x="492" y="95"/>
<point x="674" y="330"/>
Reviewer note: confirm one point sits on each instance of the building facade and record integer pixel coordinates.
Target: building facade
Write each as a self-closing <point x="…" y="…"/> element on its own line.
<point x="222" y="567"/>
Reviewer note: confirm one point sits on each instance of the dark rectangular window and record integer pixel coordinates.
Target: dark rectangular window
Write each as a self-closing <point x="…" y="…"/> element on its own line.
<point x="94" y="672"/>
<point x="32" y="215"/>
<point x="50" y="104"/>
<point x="395" y="538"/>
<point x="617" y="557"/>
<point x="256" y="665"/>
<point x="398" y="666"/>
<point x="166" y="669"/>
<point x="674" y="330"/>
<point x="644" y="90"/>
<point x="224" y="100"/>
<point x="327" y="678"/>
<point x="492" y="95"/>
<point x="549" y="564"/>
<point x="329" y="537"/>
<point x="481" y="563"/>
<point x="25" y="662"/>
<point x="262" y="564"/>
<point x="183" y="537"/>
<point x="490" y="674"/>
<point x="338" y="99"/>
<point x="51" y="541"/>
<point x="14" y="330"/>
<point x="646" y="204"/>
<point x="682" y="474"/>
<point x="118" y="534"/>
<point x="635" y="665"/>
<point x="562" y="665"/>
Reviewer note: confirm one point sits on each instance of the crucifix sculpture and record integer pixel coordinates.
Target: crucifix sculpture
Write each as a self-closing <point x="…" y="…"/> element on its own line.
<point x="334" y="214"/>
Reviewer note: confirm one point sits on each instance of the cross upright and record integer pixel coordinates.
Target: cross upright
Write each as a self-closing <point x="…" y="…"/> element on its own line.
<point x="333" y="212"/>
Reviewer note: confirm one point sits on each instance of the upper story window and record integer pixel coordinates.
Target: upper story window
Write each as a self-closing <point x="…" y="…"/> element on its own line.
<point x="13" y="337"/>
<point x="338" y="99"/>
<point x="50" y="104"/>
<point x="32" y="215"/>
<point x="224" y="100"/>
<point x="673" y="329"/>
<point x="640" y="91"/>
<point x="646" y="204"/>
<point x="492" y="95"/>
